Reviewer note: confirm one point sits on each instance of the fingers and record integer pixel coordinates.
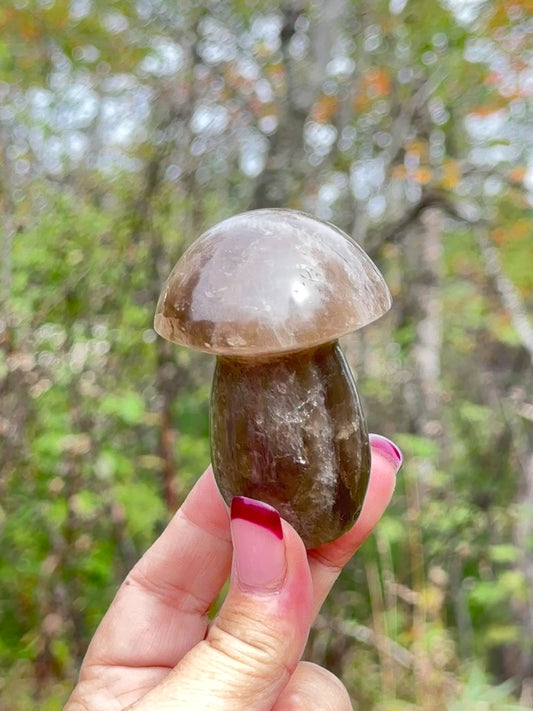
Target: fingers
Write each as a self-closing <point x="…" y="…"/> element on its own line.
<point x="327" y="561"/>
<point x="313" y="688"/>
<point x="165" y="598"/>
<point x="256" y="641"/>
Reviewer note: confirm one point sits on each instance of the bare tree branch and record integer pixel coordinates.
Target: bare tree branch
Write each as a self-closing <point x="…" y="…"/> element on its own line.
<point x="393" y="232"/>
<point x="364" y="634"/>
<point x="405" y="119"/>
<point x="507" y="291"/>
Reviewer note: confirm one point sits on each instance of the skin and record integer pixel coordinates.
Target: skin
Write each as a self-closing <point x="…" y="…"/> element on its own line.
<point x="156" y="650"/>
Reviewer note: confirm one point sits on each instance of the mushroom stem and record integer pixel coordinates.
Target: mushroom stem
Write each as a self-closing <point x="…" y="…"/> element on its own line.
<point x="289" y="430"/>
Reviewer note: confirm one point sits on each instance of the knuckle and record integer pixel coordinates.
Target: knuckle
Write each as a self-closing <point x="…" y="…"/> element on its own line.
<point x="258" y="645"/>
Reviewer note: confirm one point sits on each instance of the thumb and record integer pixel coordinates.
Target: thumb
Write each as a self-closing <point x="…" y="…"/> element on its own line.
<point x="258" y="637"/>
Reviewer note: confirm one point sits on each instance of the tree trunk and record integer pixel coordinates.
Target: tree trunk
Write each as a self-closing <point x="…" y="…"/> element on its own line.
<point x="423" y="307"/>
<point x="280" y="183"/>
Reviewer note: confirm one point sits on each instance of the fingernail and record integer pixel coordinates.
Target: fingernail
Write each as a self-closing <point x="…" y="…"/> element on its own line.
<point x="258" y="546"/>
<point x="388" y="449"/>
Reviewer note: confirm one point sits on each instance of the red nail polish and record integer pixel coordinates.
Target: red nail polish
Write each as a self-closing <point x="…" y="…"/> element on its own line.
<point x="387" y="448"/>
<point x="257" y="512"/>
<point x="259" y="561"/>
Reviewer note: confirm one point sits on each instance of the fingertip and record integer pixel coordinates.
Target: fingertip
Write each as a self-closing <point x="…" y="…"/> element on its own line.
<point x="270" y="559"/>
<point x="384" y="447"/>
<point x="259" y="557"/>
<point x="259" y="634"/>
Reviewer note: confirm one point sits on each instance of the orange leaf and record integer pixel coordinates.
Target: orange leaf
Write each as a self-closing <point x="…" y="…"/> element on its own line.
<point x="494" y="78"/>
<point x="30" y="29"/>
<point x="485" y="110"/>
<point x="325" y="108"/>
<point x="517" y="175"/>
<point x="399" y="172"/>
<point x="6" y="13"/>
<point x="451" y="174"/>
<point x="418" y="147"/>
<point x="378" y="82"/>
<point x="498" y="235"/>
<point x="422" y="176"/>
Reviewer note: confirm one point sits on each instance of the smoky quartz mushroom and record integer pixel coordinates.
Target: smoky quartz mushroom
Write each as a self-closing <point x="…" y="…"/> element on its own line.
<point x="269" y="292"/>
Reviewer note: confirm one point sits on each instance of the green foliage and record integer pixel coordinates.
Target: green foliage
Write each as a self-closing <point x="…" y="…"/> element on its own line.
<point x="126" y="129"/>
<point x="478" y="692"/>
<point x="128" y="407"/>
<point x="142" y="508"/>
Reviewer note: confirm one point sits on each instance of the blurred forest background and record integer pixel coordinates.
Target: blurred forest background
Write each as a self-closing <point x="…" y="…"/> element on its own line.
<point x="126" y="129"/>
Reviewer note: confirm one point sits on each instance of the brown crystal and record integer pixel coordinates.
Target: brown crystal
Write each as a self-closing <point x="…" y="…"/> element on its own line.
<point x="269" y="281"/>
<point x="290" y="431"/>
<point x="270" y="292"/>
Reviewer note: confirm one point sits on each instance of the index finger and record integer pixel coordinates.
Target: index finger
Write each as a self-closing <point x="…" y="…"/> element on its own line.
<point x="165" y="599"/>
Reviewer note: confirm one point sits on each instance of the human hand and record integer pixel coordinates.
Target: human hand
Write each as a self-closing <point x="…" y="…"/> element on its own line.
<point x="156" y="650"/>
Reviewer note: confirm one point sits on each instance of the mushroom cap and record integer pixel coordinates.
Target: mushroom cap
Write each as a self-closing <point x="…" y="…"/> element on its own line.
<point x="269" y="281"/>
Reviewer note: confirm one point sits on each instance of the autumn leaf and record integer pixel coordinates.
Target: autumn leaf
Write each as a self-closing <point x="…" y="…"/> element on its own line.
<point x="377" y="82"/>
<point x="517" y="175"/>
<point x="451" y="174"/>
<point x="398" y="172"/>
<point x="325" y="108"/>
<point x="422" y="176"/>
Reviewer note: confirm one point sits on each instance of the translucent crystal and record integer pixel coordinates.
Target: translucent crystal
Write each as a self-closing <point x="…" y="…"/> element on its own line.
<point x="269" y="281"/>
<point x="290" y="431"/>
<point x="270" y="292"/>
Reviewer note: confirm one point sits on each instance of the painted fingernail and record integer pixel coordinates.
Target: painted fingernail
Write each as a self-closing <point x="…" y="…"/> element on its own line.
<point x="388" y="449"/>
<point x="258" y="547"/>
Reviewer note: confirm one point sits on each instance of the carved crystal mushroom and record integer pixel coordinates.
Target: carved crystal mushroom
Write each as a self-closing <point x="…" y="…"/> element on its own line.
<point x="269" y="292"/>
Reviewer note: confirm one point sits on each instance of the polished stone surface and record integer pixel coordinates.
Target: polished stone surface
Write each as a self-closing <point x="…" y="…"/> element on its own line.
<point x="269" y="281"/>
<point x="270" y="292"/>
<point x="289" y="431"/>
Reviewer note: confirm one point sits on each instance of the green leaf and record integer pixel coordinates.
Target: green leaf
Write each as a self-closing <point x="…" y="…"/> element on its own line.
<point x="504" y="553"/>
<point x="416" y="446"/>
<point x="143" y="507"/>
<point x="128" y="406"/>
